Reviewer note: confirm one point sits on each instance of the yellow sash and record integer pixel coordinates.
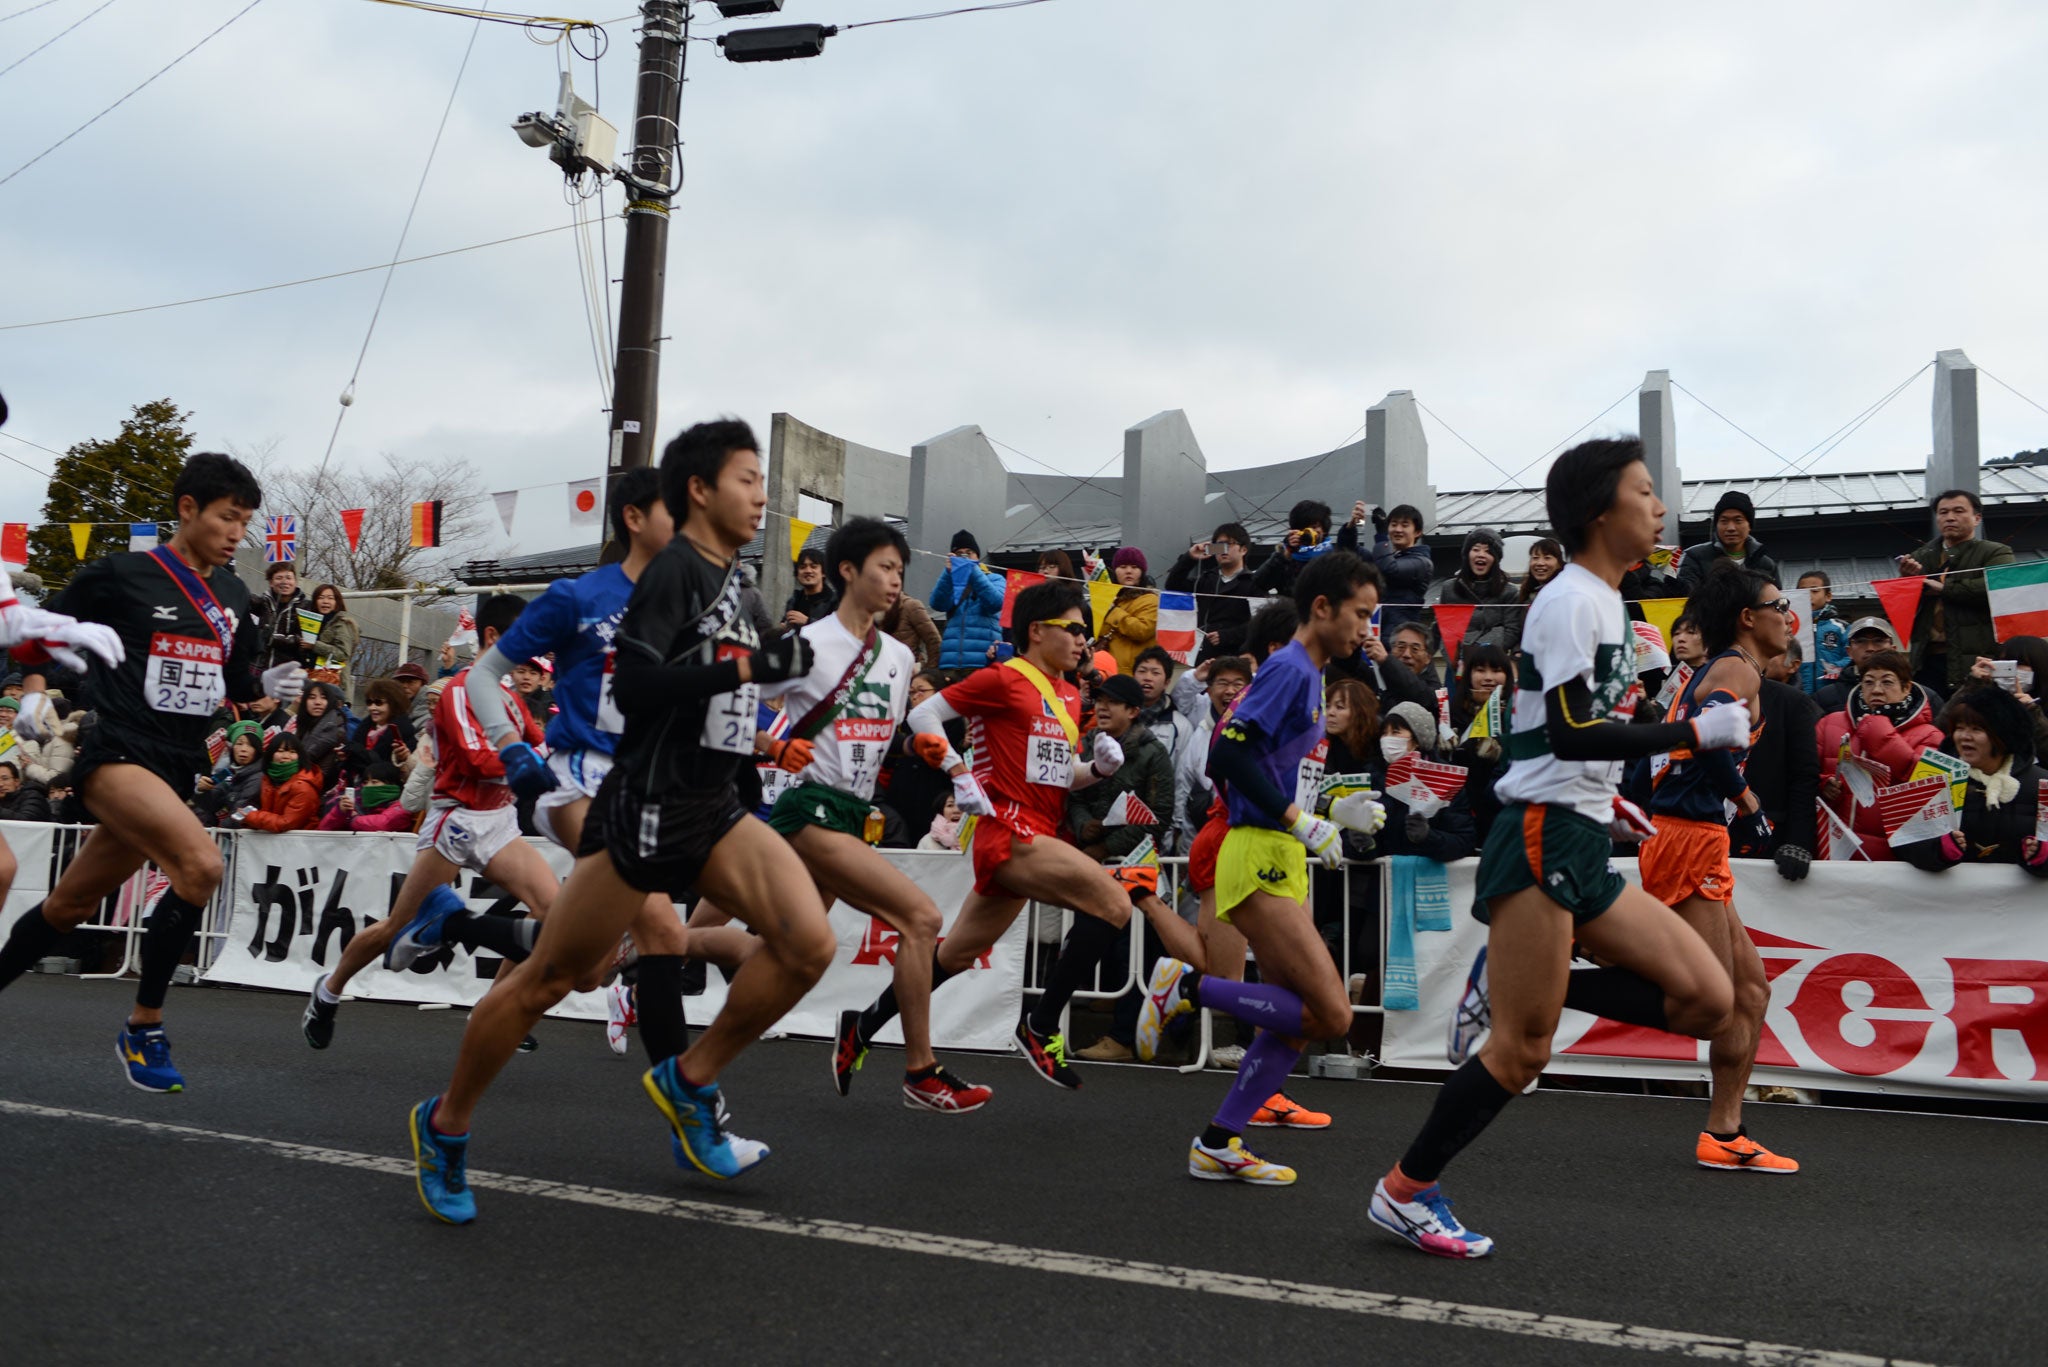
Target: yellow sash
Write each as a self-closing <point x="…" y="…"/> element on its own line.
<point x="1052" y="700"/>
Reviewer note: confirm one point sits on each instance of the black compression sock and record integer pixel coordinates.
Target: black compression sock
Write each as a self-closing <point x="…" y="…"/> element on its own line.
<point x="1469" y="1101"/>
<point x="920" y="1074"/>
<point x="1740" y="1131"/>
<point x="1087" y="942"/>
<point x="884" y="1009"/>
<point x="169" y="932"/>
<point x="1216" y="1137"/>
<point x="1617" y="995"/>
<point x="30" y="940"/>
<point x="509" y="936"/>
<point x="664" y="1033"/>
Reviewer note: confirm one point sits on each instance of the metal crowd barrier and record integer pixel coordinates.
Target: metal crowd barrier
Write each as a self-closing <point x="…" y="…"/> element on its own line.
<point x="124" y="910"/>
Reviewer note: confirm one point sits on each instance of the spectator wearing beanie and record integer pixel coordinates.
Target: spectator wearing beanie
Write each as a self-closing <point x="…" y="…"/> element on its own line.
<point x="1989" y="730"/>
<point x="1481" y="580"/>
<point x="971" y="596"/>
<point x="1447" y="836"/>
<point x="1734" y="515"/>
<point x="1131" y="626"/>
<point x="1889" y="719"/>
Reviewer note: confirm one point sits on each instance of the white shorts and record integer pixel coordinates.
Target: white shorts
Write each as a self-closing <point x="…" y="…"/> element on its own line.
<point x="467" y="837"/>
<point x="578" y="773"/>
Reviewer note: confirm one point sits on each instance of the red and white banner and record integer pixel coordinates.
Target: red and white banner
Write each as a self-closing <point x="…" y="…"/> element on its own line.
<point x="1426" y="786"/>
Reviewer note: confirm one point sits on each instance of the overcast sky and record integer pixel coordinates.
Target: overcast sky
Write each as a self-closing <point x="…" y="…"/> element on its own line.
<point x="1052" y="221"/>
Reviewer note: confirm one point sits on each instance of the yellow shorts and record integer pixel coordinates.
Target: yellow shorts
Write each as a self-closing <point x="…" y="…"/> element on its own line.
<point x="1254" y="859"/>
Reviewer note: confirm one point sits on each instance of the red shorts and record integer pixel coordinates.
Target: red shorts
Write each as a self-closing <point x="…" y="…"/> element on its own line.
<point x="1202" y="854"/>
<point x="1687" y="859"/>
<point x="990" y="851"/>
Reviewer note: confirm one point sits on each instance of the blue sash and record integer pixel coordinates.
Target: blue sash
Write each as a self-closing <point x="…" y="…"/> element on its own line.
<point x="199" y="595"/>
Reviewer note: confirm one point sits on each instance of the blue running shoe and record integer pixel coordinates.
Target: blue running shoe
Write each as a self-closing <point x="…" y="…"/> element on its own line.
<point x="146" y="1054"/>
<point x="695" y="1115"/>
<point x="440" y="1163"/>
<point x="1427" y="1223"/>
<point x="422" y="934"/>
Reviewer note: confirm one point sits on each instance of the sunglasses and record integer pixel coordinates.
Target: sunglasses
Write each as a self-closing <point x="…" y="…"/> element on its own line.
<point x="1066" y="623"/>
<point x="1779" y="605"/>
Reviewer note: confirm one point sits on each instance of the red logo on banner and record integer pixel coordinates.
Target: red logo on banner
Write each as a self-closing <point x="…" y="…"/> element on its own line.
<point x="878" y="946"/>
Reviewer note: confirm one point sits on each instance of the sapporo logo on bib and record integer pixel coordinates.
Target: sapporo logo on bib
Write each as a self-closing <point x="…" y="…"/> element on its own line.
<point x="184" y="675"/>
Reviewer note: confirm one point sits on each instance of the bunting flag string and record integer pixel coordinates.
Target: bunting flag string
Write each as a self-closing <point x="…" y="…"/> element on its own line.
<point x="142" y="536"/>
<point x="352" y="524"/>
<point x="1176" y="630"/>
<point x="1014" y="583"/>
<point x="14" y="543"/>
<point x="1101" y="598"/>
<point x="1451" y="621"/>
<point x="81" y="537"/>
<point x="586" y="502"/>
<point x="506" y="502"/>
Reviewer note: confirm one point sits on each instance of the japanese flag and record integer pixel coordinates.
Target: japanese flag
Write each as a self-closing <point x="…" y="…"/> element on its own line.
<point x="586" y="503"/>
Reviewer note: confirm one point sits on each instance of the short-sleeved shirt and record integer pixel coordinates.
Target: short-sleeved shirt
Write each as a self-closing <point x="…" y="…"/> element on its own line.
<point x="1023" y="758"/>
<point x="576" y="621"/>
<point x="850" y="745"/>
<point x="1281" y="714"/>
<point x="1577" y="628"/>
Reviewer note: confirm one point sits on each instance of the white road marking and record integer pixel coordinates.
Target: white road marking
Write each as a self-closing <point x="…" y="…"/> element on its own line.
<point x="1350" y="1300"/>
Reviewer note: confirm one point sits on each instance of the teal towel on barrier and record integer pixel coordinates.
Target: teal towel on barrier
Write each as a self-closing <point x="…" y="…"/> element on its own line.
<point x="1419" y="898"/>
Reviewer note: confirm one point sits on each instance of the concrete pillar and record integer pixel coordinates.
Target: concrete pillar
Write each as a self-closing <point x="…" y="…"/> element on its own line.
<point x="801" y="460"/>
<point x="1165" y="488"/>
<point x="1396" y="458"/>
<point x="1955" y="462"/>
<point x="956" y="481"/>
<point x="1660" y="447"/>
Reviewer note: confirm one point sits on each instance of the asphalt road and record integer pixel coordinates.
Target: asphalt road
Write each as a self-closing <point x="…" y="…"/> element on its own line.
<point x="277" y="1222"/>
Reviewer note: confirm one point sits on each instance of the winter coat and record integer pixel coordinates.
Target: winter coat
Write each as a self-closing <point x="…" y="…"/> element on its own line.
<point x="1408" y="575"/>
<point x="322" y="739"/>
<point x="51" y="759"/>
<point x="1990" y="835"/>
<point x="753" y="607"/>
<point x="1869" y="735"/>
<point x="293" y="805"/>
<point x="242" y="788"/>
<point x="336" y="644"/>
<point x="1168" y="726"/>
<point x="813" y="606"/>
<point x="371" y="743"/>
<point x="1964" y="604"/>
<point x="1452" y="834"/>
<point x="971" y="596"/>
<point x="29" y="802"/>
<point x="1495" y="621"/>
<point x="1784" y="769"/>
<point x="277" y="629"/>
<point x="1131" y="626"/>
<point x="1146" y="772"/>
<point x="913" y="626"/>
<point x="1698" y="562"/>
<point x="1830" y="649"/>
<point x="1222" y="606"/>
<point x="392" y="816"/>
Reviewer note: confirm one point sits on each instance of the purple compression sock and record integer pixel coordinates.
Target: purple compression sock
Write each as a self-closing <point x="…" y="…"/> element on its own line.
<point x="1266" y="1065"/>
<point x="1261" y="1004"/>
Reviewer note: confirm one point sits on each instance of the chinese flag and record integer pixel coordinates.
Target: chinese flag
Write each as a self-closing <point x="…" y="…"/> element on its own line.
<point x="426" y="524"/>
<point x="14" y="543"/>
<point x="1014" y="583"/>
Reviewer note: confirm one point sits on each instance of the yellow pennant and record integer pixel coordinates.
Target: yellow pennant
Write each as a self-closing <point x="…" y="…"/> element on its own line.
<point x="1662" y="612"/>
<point x="799" y="532"/>
<point x="81" y="536"/>
<point x="1102" y="593"/>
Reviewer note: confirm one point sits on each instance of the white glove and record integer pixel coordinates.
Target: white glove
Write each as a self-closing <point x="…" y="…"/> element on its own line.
<point x="969" y="797"/>
<point x="1722" y="728"/>
<point x="1322" y="837"/>
<point x="1631" y="823"/>
<point x="56" y="633"/>
<point x="37" y="720"/>
<point x="286" y="682"/>
<point x="1359" y="812"/>
<point x="1109" y="756"/>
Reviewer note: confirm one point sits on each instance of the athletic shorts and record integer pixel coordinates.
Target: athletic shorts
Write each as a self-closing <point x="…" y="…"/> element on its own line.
<point x="1255" y="859"/>
<point x="578" y="775"/>
<point x="468" y="837"/>
<point x="1202" y="853"/>
<point x="817" y="804"/>
<point x="1538" y="845"/>
<point x="990" y="850"/>
<point x="178" y="767"/>
<point x="659" y="844"/>
<point x="1687" y="859"/>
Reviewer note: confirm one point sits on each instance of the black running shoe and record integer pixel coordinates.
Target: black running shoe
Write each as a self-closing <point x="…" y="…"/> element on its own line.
<point x="848" y="1052"/>
<point x="528" y="1045"/>
<point x="1047" y="1056"/>
<point x="318" y="1022"/>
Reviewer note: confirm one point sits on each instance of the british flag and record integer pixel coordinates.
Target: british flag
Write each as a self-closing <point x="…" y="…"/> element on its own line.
<point x="280" y="539"/>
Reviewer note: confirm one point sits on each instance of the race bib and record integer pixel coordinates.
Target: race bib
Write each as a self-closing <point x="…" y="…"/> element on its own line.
<point x="732" y="718"/>
<point x="1049" y="762"/>
<point x="183" y="676"/>
<point x="1308" y="779"/>
<point x="608" y="719"/>
<point x="863" y="743"/>
<point x="775" y="780"/>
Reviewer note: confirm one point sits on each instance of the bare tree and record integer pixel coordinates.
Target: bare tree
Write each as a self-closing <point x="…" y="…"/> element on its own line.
<point x="384" y="557"/>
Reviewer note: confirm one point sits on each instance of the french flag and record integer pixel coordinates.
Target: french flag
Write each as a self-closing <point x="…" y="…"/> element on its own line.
<point x="1177" y="626"/>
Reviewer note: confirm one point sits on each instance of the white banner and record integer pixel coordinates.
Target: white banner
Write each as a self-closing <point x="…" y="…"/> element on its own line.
<point x="1883" y="978"/>
<point x="33" y="844"/>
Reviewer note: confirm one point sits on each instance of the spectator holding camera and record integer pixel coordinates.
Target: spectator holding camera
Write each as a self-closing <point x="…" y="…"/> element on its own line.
<point x="1308" y="536"/>
<point x="1404" y="562"/>
<point x="1888" y="719"/>
<point x="1989" y="731"/>
<point x="1214" y="571"/>
<point x="1952" y="625"/>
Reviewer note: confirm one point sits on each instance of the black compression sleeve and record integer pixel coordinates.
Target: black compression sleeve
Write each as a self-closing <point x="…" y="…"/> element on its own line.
<point x="638" y="685"/>
<point x="1234" y="760"/>
<point x="1568" y="712"/>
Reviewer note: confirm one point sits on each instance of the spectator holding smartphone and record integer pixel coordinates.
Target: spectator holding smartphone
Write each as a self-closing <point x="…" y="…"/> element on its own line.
<point x="1989" y="731"/>
<point x="1214" y="571"/>
<point x="1952" y="625"/>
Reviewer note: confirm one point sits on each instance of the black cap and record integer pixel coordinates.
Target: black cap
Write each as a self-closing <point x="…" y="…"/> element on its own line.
<point x="1124" y="689"/>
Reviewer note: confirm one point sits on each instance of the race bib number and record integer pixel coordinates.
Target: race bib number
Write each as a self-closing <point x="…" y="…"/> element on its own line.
<point x="608" y="719"/>
<point x="1049" y="762"/>
<point x="863" y="743"/>
<point x="183" y="676"/>
<point x="732" y="718"/>
<point x="775" y="780"/>
<point x="1308" y="779"/>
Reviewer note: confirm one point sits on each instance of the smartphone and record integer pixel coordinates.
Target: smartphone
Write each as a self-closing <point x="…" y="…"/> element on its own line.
<point x="2006" y="674"/>
<point x="1200" y="548"/>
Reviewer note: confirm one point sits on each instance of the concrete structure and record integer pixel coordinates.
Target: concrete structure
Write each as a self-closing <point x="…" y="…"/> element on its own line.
<point x="1660" y="448"/>
<point x="956" y="481"/>
<point x="1396" y="464"/>
<point x="1955" y="463"/>
<point x="1165" y="487"/>
<point x="858" y="481"/>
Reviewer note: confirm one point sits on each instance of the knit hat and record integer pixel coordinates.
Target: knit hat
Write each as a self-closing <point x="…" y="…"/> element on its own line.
<point x="1417" y="721"/>
<point x="964" y="539"/>
<point x="1129" y="555"/>
<point x="245" y="728"/>
<point x="10" y="704"/>
<point x="1737" y="500"/>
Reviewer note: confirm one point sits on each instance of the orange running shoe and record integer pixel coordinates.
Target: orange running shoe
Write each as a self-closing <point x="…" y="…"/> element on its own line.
<point x="1741" y="1154"/>
<point x="1281" y="1114"/>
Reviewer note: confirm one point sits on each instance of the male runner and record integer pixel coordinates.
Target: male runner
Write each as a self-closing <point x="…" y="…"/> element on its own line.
<point x="687" y="669"/>
<point x="1266" y="761"/>
<point x="471" y="823"/>
<point x="1545" y="877"/>
<point x="186" y="647"/>
<point x="1023" y="724"/>
<point x="1742" y="617"/>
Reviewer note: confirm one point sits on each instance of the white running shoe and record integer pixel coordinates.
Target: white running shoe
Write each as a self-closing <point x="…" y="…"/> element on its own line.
<point x="1235" y="1163"/>
<point x="620" y="1017"/>
<point x="1229" y="1056"/>
<point x="1474" y="1016"/>
<point x="1427" y="1223"/>
<point x="1164" y="1003"/>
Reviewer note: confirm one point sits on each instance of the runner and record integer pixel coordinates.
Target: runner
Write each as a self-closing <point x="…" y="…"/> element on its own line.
<point x="1545" y="876"/>
<point x="184" y="648"/>
<point x="471" y="823"/>
<point x="1743" y="619"/>
<point x="1266" y="761"/>
<point x="686" y="677"/>
<point x="1023" y="723"/>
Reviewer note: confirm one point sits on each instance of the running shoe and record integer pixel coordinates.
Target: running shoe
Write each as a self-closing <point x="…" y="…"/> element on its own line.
<point x="1108" y="1049"/>
<point x="1279" y="1113"/>
<point x="619" y="1017"/>
<point x="1047" y="1055"/>
<point x="1226" y="1057"/>
<point x="1427" y="1223"/>
<point x="146" y="1055"/>
<point x="700" y="1136"/>
<point x="944" y="1093"/>
<point x="528" y="1045"/>
<point x="1235" y="1163"/>
<point x="318" y="1022"/>
<point x="623" y="958"/>
<point x="848" y="1053"/>
<point x="1741" y="1154"/>
<point x="1474" y="1016"/>
<point x="1164" y="1002"/>
<point x="422" y="934"/>
<point x="440" y="1163"/>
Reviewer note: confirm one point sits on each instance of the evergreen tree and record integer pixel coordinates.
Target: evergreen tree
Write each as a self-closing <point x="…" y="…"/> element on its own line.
<point x="123" y="479"/>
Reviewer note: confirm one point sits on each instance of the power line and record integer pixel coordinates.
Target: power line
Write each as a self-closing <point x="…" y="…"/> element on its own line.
<point x="942" y="14"/>
<point x="1734" y="424"/>
<point x="60" y="33"/>
<point x="66" y="455"/>
<point x="1850" y="428"/>
<point x="2009" y="389"/>
<point x="125" y="98"/>
<point x="102" y="498"/>
<point x="31" y="9"/>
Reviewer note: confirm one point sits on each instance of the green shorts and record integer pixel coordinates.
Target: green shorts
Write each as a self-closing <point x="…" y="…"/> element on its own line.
<point x="814" y="804"/>
<point x="1254" y="859"/>
<point x="1553" y="849"/>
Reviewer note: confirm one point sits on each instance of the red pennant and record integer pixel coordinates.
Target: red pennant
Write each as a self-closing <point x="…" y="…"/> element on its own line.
<point x="1901" y="599"/>
<point x="352" y="523"/>
<point x="1451" y="621"/>
<point x="1014" y="583"/>
<point x="14" y="543"/>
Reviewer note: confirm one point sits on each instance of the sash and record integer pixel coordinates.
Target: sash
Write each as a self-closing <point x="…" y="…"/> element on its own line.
<point x="700" y="637"/>
<point x="812" y="722"/>
<point x="1053" y="705"/>
<point x="198" y="595"/>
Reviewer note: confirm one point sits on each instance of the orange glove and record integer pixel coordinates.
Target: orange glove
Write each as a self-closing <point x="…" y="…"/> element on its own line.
<point x="932" y="748"/>
<point x="792" y="756"/>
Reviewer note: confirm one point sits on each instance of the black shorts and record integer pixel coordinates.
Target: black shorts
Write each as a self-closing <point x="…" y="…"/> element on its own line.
<point x="658" y="845"/>
<point x="175" y="765"/>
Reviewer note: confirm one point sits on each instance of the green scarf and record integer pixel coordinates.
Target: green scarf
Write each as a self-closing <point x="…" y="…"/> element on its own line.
<point x="374" y="795"/>
<point x="281" y="769"/>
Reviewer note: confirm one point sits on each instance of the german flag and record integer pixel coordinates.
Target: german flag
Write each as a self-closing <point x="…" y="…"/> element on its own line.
<point x="426" y="524"/>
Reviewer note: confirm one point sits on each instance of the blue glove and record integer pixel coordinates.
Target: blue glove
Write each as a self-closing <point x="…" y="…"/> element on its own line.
<point x="525" y="770"/>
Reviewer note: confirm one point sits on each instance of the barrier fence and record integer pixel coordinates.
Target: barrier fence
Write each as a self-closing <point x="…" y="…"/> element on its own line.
<point x="1882" y="977"/>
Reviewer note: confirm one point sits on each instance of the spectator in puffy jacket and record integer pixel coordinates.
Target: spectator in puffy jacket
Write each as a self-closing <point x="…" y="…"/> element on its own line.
<point x="1404" y="562"/>
<point x="322" y="728"/>
<point x="1830" y="633"/>
<point x="1480" y="580"/>
<point x="1734" y="514"/>
<point x="1131" y="626"/>
<point x="971" y="596"/>
<point x="1889" y="719"/>
<point x="238" y="782"/>
<point x="374" y="806"/>
<point x="290" y="800"/>
<point x="1990" y="731"/>
<point x="21" y="799"/>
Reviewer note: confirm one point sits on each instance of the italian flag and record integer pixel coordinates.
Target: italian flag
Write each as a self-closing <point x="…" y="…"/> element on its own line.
<point x="2019" y="599"/>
